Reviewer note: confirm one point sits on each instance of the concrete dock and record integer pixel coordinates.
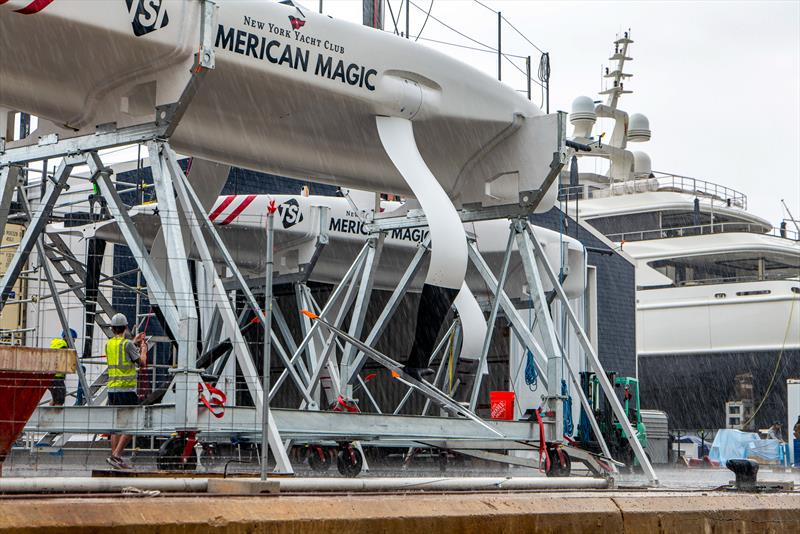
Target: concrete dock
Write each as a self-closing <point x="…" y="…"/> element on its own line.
<point x="464" y="513"/>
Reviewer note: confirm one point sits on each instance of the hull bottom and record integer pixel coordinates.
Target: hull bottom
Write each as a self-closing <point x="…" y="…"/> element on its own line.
<point x="693" y="388"/>
<point x="20" y="393"/>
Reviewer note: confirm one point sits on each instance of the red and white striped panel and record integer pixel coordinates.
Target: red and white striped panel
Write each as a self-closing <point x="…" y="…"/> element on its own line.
<point x="229" y="207"/>
<point x="25" y="7"/>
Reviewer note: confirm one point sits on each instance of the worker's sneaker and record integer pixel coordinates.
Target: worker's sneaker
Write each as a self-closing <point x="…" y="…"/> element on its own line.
<point x="124" y="465"/>
<point x="117" y="463"/>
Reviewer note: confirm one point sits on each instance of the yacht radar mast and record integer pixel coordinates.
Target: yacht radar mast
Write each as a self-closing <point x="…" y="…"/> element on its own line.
<point x="618" y="75"/>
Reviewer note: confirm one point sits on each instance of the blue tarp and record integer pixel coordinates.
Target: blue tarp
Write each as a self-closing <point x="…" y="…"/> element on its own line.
<point x="770" y="450"/>
<point x="731" y="444"/>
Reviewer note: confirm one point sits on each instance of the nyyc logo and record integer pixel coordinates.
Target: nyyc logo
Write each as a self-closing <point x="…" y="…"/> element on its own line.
<point x="290" y="213"/>
<point x="147" y="15"/>
<point x="296" y="23"/>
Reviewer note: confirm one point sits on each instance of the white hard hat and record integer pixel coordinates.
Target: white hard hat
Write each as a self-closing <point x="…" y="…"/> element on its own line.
<point x="119" y="320"/>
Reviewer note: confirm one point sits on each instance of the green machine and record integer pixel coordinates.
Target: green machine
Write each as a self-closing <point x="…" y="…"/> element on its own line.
<point x="627" y="389"/>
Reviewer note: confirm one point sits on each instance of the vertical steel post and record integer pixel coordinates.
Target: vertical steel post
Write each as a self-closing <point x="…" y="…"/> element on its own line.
<point x="528" y="71"/>
<point x="271" y="208"/>
<point x="408" y="11"/>
<point x="8" y="181"/>
<point x="499" y="45"/>
<point x="487" y="341"/>
<point x="187" y="376"/>
<point x="547" y="84"/>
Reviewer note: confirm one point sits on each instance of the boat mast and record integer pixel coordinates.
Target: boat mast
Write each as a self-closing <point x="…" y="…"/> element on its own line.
<point x="618" y="75"/>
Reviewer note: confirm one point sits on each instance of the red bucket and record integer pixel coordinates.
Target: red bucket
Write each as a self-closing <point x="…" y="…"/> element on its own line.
<point x="502" y="405"/>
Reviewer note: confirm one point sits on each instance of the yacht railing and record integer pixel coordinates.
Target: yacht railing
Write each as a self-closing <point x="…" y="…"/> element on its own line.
<point x="702" y="229"/>
<point x="685" y="184"/>
<point x="658" y="181"/>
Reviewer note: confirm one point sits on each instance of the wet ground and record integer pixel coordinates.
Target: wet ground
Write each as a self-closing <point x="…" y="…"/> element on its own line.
<point x="81" y="462"/>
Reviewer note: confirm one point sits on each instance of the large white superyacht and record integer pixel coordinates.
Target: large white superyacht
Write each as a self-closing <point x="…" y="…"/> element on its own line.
<point x="718" y="288"/>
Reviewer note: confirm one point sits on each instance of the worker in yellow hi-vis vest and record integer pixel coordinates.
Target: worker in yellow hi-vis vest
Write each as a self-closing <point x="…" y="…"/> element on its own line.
<point x="58" y="387"/>
<point x="123" y="356"/>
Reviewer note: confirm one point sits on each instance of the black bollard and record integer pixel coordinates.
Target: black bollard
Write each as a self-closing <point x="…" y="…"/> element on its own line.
<point x="746" y="472"/>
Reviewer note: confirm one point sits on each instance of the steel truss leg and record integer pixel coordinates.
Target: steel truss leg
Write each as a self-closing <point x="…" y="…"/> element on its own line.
<point x="187" y="374"/>
<point x="62" y="316"/>
<point x="487" y="341"/>
<point x="331" y="371"/>
<point x="594" y="361"/>
<point x="518" y="324"/>
<point x="360" y="308"/>
<point x="223" y="304"/>
<point x="546" y="327"/>
<point x="310" y="362"/>
<point x="8" y="181"/>
<point x="330" y="342"/>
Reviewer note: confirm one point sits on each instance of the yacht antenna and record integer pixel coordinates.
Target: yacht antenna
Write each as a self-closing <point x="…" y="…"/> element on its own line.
<point x="617" y="74"/>
<point x="791" y="217"/>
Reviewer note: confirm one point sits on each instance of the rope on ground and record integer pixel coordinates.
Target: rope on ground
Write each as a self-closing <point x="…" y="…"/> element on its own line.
<point x="130" y="491"/>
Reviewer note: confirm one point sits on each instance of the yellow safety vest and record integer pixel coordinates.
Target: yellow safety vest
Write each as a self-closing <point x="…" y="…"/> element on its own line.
<point x="59" y="343"/>
<point x="121" y="371"/>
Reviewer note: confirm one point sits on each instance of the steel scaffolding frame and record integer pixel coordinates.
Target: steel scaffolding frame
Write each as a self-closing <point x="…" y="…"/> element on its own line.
<point x="325" y="335"/>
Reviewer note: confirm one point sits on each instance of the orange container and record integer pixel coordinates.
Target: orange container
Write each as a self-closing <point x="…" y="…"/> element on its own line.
<point x="502" y="405"/>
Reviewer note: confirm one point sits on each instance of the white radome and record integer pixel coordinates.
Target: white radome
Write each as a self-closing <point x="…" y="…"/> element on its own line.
<point x="638" y="128"/>
<point x="583" y="113"/>
<point x="642" y="165"/>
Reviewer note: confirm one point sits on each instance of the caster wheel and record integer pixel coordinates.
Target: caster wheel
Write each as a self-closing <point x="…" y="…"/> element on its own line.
<point x="170" y="456"/>
<point x="557" y="469"/>
<point x="349" y="461"/>
<point x="318" y="458"/>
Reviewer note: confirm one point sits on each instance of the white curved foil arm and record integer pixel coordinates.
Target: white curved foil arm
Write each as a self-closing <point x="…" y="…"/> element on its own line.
<point x="448" y="261"/>
<point x="473" y="324"/>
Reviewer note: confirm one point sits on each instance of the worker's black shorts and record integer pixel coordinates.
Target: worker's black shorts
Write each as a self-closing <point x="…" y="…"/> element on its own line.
<point x="58" y="389"/>
<point x="123" y="398"/>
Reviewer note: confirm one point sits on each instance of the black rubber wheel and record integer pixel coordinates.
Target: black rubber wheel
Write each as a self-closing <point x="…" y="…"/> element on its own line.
<point x="349" y="461"/>
<point x="170" y="456"/>
<point x="318" y="458"/>
<point x="556" y="469"/>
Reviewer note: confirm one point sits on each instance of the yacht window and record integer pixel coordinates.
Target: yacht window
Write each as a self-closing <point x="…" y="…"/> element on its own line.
<point x="670" y="223"/>
<point x="728" y="267"/>
<point x="631" y="222"/>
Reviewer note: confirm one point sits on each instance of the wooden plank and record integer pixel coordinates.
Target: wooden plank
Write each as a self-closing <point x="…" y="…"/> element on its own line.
<point x="36" y="360"/>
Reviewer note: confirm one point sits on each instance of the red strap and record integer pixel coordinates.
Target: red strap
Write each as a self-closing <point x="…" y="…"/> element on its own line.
<point x="343" y="406"/>
<point x="217" y="399"/>
<point x="542" y="443"/>
<point x="191" y="440"/>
